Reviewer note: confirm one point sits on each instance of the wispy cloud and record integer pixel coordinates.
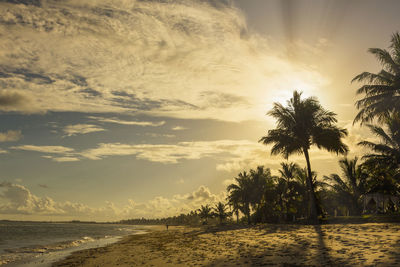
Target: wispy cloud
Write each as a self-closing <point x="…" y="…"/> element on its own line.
<point x="231" y="154"/>
<point x="45" y="149"/>
<point x="10" y="136"/>
<point x="166" y="153"/>
<point x="65" y="159"/>
<point x="125" y="122"/>
<point x="178" y="128"/>
<point x="76" y="129"/>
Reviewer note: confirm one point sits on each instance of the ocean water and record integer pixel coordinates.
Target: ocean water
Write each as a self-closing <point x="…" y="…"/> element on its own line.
<point x="40" y="243"/>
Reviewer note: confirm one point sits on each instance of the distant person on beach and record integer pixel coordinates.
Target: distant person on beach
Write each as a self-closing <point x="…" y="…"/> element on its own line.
<point x="167" y="226"/>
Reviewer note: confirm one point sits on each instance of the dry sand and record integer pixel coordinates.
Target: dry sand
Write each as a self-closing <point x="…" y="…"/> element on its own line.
<point x="279" y="245"/>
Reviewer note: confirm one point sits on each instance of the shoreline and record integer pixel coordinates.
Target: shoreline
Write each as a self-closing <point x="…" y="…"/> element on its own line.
<point x="272" y="244"/>
<point x="44" y="255"/>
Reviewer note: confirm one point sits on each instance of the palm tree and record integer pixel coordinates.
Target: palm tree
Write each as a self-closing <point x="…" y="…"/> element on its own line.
<point x="241" y="192"/>
<point x="220" y="211"/>
<point x="205" y="213"/>
<point x="258" y="183"/>
<point x="387" y="151"/>
<point x="382" y="89"/>
<point x="351" y="185"/>
<point x="288" y="171"/>
<point x="287" y="187"/>
<point x="234" y="199"/>
<point x="299" y="125"/>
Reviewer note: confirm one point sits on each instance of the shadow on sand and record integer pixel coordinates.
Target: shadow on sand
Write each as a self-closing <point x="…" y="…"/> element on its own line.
<point x="300" y="252"/>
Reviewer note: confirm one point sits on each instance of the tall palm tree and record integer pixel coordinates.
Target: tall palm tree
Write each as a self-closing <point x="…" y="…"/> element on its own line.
<point x="303" y="123"/>
<point x="350" y="185"/>
<point x="387" y="151"/>
<point x="381" y="90"/>
<point x="220" y="211"/>
<point x="241" y="192"/>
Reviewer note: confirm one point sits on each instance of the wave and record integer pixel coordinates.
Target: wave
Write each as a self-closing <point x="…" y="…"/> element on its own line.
<point x="24" y="254"/>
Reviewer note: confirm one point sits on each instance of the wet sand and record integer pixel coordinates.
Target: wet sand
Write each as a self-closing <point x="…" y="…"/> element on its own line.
<point x="279" y="245"/>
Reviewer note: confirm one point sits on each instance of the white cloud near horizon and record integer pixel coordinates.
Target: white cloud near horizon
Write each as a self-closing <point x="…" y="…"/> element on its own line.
<point x="17" y="199"/>
<point x="177" y="58"/>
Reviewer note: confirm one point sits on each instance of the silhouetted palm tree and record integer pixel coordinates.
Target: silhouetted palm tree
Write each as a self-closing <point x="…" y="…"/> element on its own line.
<point x="381" y="90"/>
<point x="220" y="211"/>
<point x="288" y="187"/>
<point x="299" y="125"/>
<point x="387" y="151"/>
<point x="241" y="192"/>
<point x="351" y="185"/>
<point x="288" y="171"/>
<point x="234" y="199"/>
<point x="258" y="183"/>
<point x="205" y="213"/>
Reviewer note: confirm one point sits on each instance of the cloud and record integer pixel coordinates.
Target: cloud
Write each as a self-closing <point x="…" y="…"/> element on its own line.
<point x="45" y="149"/>
<point x="76" y="129"/>
<point x="2" y="151"/>
<point x="125" y="122"/>
<point x="17" y="199"/>
<point x="18" y="100"/>
<point x="180" y="181"/>
<point x="230" y="155"/>
<point x="10" y="136"/>
<point x="179" y="58"/>
<point x="179" y="128"/>
<point x="65" y="159"/>
<point x="171" y="153"/>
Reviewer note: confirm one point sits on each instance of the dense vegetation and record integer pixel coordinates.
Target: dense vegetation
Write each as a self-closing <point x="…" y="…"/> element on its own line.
<point x="297" y="194"/>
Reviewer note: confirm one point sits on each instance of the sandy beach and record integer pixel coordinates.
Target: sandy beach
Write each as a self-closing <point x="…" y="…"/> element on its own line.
<point x="281" y="245"/>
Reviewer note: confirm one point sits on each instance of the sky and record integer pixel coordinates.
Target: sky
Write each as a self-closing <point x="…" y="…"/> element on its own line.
<point x="125" y="109"/>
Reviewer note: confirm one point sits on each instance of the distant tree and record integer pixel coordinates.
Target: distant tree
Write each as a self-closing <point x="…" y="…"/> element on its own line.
<point x="241" y="193"/>
<point x="381" y="90"/>
<point x="220" y="212"/>
<point x="301" y="124"/>
<point x="351" y="185"/>
<point x="258" y="183"/>
<point x="382" y="178"/>
<point x="387" y="151"/>
<point x="234" y="201"/>
<point x="205" y="213"/>
<point x="288" y="188"/>
<point x="288" y="171"/>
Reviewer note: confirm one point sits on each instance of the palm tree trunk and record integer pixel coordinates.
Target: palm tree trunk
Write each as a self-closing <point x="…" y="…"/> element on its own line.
<point x="313" y="200"/>
<point x="248" y="213"/>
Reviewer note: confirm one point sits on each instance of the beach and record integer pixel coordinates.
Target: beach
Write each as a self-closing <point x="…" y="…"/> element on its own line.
<point x="374" y="244"/>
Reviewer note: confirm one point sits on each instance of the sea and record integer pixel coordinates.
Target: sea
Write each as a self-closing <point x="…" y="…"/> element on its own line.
<point x="39" y="244"/>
